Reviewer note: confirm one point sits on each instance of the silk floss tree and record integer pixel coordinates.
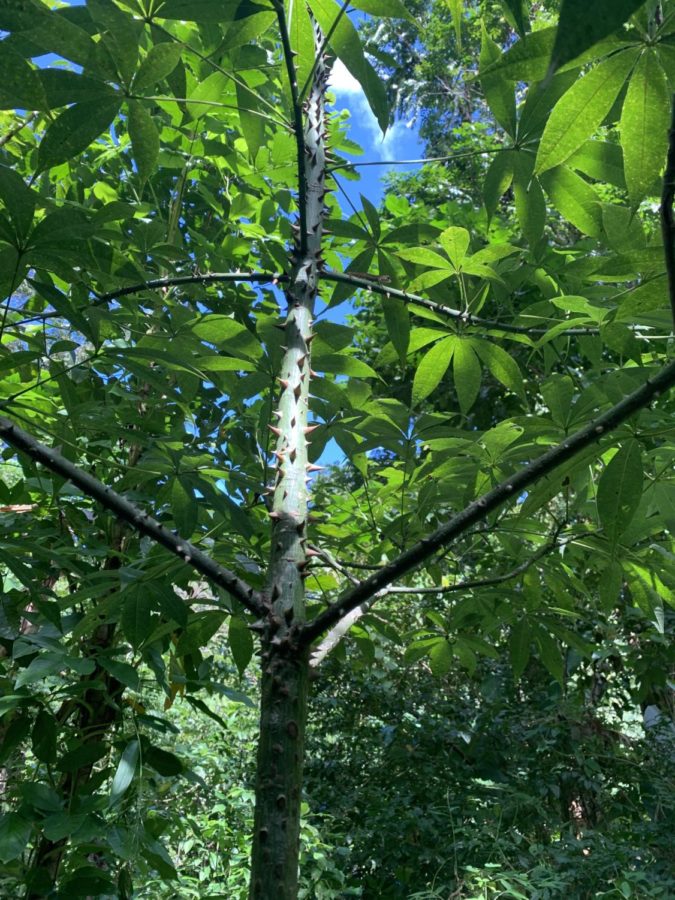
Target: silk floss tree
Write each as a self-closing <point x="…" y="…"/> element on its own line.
<point x="188" y="135"/>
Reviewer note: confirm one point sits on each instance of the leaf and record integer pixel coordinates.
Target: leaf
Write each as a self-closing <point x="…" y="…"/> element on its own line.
<point x="74" y="130"/>
<point x="644" y="126"/>
<point x="580" y="112"/>
<point x="44" y="737"/>
<point x="581" y="25"/>
<point x="502" y="366"/>
<point x="15" y="832"/>
<point x="162" y="761"/>
<point x="63" y="87"/>
<point x="144" y="139"/>
<point x="519" y="647"/>
<point x="392" y="9"/>
<point x="397" y="320"/>
<point x="84" y="755"/>
<point x="373" y="217"/>
<point x="207" y="11"/>
<point x="346" y="44"/>
<point x="136" y="619"/>
<point x="431" y="369"/>
<point x="610" y="583"/>
<point x="530" y="202"/>
<point x="456" y="8"/>
<point x="125" y="772"/>
<point x="455" y="242"/>
<point x="499" y="91"/>
<point x="620" y="490"/>
<point x="551" y="655"/>
<point x="466" y="374"/>
<point x="341" y="364"/>
<point x="440" y="658"/>
<point x="302" y="42"/>
<point x="497" y="181"/>
<point x="514" y="10"/>
<point x="240" y="639"/>
<point x="160" y="61"/>
<point x="19" y="200"/>
<point x="183" y="508"/>
<point x="527" y="59"/>
<point x="575" y="199"/>
<point x="20" y="84"/>
<point x="228" y="334"/>
<point x="252" y="125"/>
<point x="425" y="257"/>
<point x="599" y="160"/>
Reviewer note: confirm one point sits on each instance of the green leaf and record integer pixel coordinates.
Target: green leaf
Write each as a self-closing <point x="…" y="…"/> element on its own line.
<point x="74" y="130"/>
<point x="84" y="755"/>
<point x="529" y="199"/>
<point x="302" y="42"/>
<point x="228" y="334"/>
<point x="120" y="33"/>
<point x="575" y="199"/>
<point x="599" y="160"/>
<point x="208" y="11"/>
<point x="455" y="242"/>
<point x="44" y="737"/>
<point x="497" y="181"/>
<point x="580" y="112"/>
<point x="582" y="24"/>
<point x="440" y="658"/>
<point x="551" y="655"/>
<point x="519" y="647"/>
<point x="125" y="772"/>
<point x="341" y="364"/>
<point x="610" y="583"/>
<point x="373" y="217"/>
<point x="499" y="91"/>
<point x="620" y="490"/>
<point x="466" y="374"/>
<point x="431" y="369"/>
<point x="20" y="84"/>
<point x="137" y="619"/>
<point x="527" y="59"/>
<point x="397" y="320"/>
<point x="346" y="44"/>
<point x="19" y="200"/>
<point x="240" y="33"/>
<point x="514" y="10"/>
<point x="456" y="8"/>
<point x="240" y="639"/>
<point x="392" y="9"/>
<point x="644" y="126"/>
<point x="144" y="139"/>
<point x="183" y="508"/>
<point x="162" y="761"/>
<point x="15" y="832"/>
<point x="63" y="87"/>
<point x="252" y="125"/>
<point x="160" y="61"/>
<point x="425" y="257"/>
<point x="502" y="366"/>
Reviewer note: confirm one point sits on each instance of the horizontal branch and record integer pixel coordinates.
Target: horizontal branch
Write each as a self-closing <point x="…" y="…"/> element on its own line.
<point x="469" y="319"/>
<point x="479" y="510"/>
<point x="138" y="519"/>
<point x="167" y="282"/>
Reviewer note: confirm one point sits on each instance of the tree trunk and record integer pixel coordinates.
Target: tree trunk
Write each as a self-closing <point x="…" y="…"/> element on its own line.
<point x="285" y="663"/>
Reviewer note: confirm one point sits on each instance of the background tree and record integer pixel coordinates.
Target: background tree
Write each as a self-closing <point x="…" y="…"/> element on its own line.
<point x="169" y="216"/>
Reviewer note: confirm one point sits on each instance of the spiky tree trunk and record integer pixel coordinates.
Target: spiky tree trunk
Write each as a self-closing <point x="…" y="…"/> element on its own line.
<point x="285" y="663"/>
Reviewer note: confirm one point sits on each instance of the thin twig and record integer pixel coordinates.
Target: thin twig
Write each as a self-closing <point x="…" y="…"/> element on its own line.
<point x="141" y="521"/>
<point x="667" y="223"/>
<point x="15" y="129"/>
<point x="477" y="511"/>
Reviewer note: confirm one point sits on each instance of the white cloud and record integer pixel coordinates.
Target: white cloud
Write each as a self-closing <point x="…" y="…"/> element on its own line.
<point x="350" y="94"/>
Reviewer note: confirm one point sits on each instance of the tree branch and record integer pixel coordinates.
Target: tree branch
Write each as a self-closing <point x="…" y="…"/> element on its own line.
<point x="170" y="281"/>
<point x="667" y="223"/>
<point x="298" y="124"/>
<point x="19" y="439"/>
<point x="475" y="512"/>
<point x="489" y="324"/>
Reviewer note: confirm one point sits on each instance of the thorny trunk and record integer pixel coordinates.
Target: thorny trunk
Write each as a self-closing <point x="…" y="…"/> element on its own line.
<point x="274" y="871"/>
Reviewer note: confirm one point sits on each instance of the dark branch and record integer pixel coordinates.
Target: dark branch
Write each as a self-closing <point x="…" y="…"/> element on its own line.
<point x="386" y="291"/>
<point x="481" y="508"/>
<point x="131" y="514"/>
<point x="298" y="124"/>
<point x="667" y="223"/>
<point x="171" y="281"/>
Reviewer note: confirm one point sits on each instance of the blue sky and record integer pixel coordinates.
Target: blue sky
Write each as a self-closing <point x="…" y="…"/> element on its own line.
<point x="400" y="142"/>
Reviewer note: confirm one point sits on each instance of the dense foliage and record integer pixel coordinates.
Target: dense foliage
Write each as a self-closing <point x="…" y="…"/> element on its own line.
<point x="491" y="709"/>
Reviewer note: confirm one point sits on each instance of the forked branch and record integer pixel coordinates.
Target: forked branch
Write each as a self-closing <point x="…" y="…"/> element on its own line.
<point x="478" y="510"/>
